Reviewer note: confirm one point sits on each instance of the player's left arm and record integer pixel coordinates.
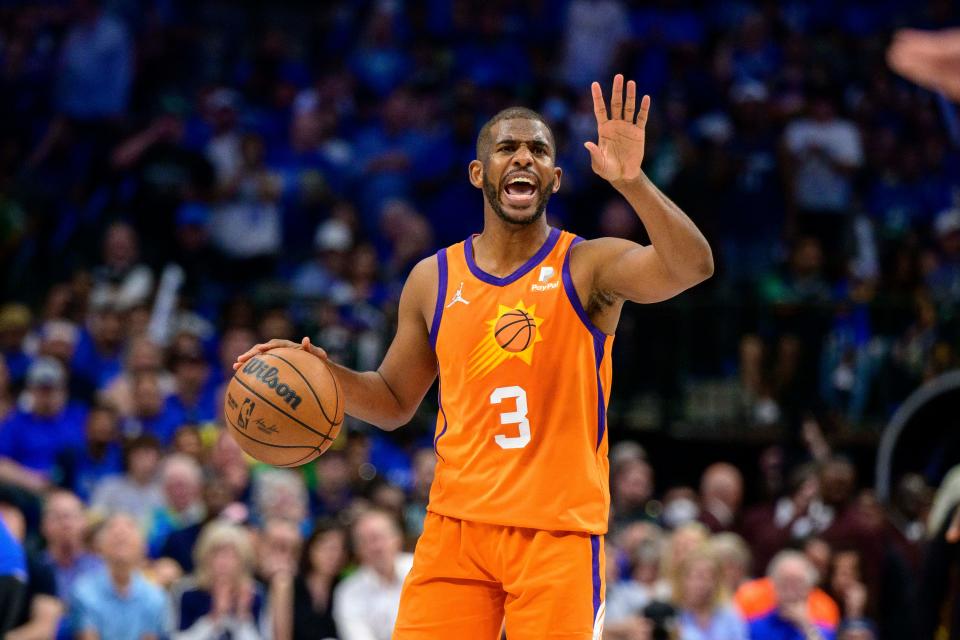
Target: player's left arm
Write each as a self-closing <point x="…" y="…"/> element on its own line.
<point x="678" y="257"/>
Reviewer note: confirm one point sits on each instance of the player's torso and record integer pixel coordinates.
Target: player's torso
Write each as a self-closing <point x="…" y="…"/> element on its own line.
<point x="524" y="381"/>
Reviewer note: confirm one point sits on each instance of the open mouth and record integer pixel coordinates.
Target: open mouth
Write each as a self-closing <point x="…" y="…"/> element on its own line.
<point x="520" y="189"/>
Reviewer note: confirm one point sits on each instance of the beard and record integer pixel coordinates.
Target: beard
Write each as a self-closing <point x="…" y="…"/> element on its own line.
<point x="493" y="197"/>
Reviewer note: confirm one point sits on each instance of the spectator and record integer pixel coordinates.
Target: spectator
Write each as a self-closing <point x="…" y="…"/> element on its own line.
<point x="322" y="559"/>
<point x="100" y="456"/>
<point x="733" y="554"/>
<point x="277" y="551"/>
<point x="793" y="579"/>
<point x="96" y="65"/>
<point x="365" y="604"/>
<point x="37" y="611"/>
<point x="98" y="356"/>
<point x="150" y="414"/>
<point x="631" y="488"/>
<point x="699" y="593"/>
<point x="181" y="479"/>
<point x="137" y="492"/>
<point x="250" y="202"/>
<point x="121" y="273"/>
<point x="31" y="439"/>
<point x="180" y="544"/>
<point x="142" y="356"/>
<point x="721" y="492"/>
<point x="221" y="597"/>
<point x="194" y="396"/>
<point x="333" y="491"/>
<point x="280" y="493"/>
<point x="680" y="544"/>
<point x="64" y="529"/>
<point x="116" y="601"/>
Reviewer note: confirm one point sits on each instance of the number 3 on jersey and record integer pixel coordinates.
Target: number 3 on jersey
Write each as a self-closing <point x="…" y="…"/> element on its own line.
<point x="517" y="417"/>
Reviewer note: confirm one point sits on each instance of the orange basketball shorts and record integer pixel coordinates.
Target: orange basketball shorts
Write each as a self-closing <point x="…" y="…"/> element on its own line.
<point x="469" y="579"/>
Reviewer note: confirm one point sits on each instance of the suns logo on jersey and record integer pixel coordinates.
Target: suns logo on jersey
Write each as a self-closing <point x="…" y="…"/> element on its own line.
<point x="512" y="334"/>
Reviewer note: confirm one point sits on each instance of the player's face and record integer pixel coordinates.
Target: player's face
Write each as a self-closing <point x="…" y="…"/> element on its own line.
<point x="519" y="174"/>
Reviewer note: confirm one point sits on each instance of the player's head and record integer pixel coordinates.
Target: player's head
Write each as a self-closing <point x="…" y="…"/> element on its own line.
<point x="515" y="165"/>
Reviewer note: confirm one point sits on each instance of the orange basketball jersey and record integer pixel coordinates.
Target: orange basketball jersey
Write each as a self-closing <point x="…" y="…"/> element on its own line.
<point x="524" y="384"/>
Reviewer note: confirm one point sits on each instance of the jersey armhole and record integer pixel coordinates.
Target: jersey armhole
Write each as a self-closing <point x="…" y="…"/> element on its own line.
<point x="441" y="296"/>
<point x="574" y="298"/>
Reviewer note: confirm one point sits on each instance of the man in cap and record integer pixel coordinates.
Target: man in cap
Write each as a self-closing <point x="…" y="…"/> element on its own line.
<point x="33" y="437"/>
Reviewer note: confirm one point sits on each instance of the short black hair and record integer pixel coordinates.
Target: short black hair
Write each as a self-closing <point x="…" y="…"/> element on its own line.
<point x="510" y="113"/>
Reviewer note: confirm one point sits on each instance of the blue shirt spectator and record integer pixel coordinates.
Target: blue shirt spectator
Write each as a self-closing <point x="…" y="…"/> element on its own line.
<point x="775" y="627"/>
<point x="117" y="602"/>
<point x="32" y="438"/>
<point x="96" y="67"/>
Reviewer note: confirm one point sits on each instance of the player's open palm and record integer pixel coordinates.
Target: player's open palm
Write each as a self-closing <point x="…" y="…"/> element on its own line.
<point x="618" y="153"/>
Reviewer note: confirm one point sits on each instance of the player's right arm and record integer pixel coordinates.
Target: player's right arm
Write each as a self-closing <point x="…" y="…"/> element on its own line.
<point x="389" y="396"/>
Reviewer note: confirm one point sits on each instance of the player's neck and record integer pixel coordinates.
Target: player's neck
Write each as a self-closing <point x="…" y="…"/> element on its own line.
<point x="502" y="247"/>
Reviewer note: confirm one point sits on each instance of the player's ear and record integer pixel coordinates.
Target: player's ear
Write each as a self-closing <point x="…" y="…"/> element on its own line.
<point x="557" y="174"/>
<point x="475" y="172"/>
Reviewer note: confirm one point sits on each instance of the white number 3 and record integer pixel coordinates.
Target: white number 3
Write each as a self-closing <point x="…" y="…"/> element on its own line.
<point x="518" y="417"/>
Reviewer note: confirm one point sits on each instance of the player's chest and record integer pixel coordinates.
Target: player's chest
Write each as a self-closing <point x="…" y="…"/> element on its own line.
<point x="485" y="326"/>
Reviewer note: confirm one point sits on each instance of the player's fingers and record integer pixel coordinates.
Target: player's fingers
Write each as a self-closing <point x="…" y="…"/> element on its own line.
<point x="630" y="106"/>
<point x="644" y="111"/>
<point x="599" y="108"/>
<point x="308" y="347"/>
<point x="616" y="98"/>
<point x="596" y="158"/>
<point x="249" y="353"/>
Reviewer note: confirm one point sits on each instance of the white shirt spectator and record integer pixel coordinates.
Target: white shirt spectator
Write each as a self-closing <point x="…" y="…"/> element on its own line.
<point x="365" y="607"/>
<point x="818" y="185"/>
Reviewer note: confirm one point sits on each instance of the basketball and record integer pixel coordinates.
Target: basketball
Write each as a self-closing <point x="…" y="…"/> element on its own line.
<point x="284" y="407"/>
<point x="514" y="331"/>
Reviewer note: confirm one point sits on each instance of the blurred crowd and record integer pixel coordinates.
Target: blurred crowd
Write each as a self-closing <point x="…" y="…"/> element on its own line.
<point x="180" y="180"/>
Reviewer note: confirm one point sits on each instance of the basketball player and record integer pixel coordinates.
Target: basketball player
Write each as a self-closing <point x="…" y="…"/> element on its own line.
<point x="519" y="322"/>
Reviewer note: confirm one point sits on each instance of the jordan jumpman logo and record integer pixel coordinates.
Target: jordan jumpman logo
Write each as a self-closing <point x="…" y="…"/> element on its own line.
<point x="458" y="297"/>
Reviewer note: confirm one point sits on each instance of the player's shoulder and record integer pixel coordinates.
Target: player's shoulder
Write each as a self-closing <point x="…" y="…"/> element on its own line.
<point x="421" y="286"/>
<point x="425" y="272"/>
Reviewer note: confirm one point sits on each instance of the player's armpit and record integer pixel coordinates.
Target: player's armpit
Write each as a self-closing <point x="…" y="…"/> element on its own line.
<point x="624" y="269"/>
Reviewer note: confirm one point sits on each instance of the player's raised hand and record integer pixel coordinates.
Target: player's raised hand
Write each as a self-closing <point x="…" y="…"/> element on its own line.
<point x="617" y="154"/>
<point x="277" y="343"/>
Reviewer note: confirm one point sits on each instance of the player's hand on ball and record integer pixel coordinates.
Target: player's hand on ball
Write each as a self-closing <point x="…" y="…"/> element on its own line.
<point x="617" y="155"/>
<point x="277" y="343"/>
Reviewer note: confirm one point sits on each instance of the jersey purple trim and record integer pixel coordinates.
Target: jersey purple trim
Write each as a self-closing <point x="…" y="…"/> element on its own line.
<point x="599" y="338"/>
<point x="523" y="270"/>
<point x="598" y="346"/>
<point x="442" y="413"/>
<point x="595" y="570"/>
<point x="441" y="296"/>
<point x="574" y="299"/>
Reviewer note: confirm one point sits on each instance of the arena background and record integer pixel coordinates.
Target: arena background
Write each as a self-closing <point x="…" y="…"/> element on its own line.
<point x="179" y="180"/>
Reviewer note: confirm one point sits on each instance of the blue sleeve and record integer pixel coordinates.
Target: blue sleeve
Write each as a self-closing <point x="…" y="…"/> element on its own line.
<point x="80" y="617"/>
<point x="13" y="560"/>
<point x="8" y="436"/>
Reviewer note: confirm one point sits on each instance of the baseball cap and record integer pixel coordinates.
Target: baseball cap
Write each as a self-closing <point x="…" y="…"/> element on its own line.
<point x="14" y="316"/>
<point x="46" y="372"/>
